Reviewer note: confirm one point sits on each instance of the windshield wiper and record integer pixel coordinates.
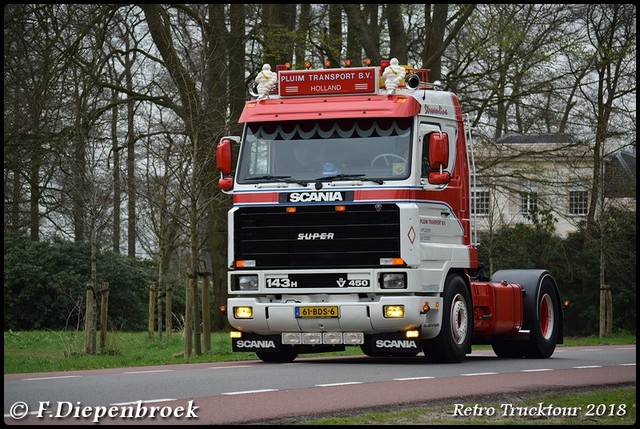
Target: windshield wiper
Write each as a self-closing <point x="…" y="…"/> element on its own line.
<point x="350" y="176"/>
<point x="286" y="179"/>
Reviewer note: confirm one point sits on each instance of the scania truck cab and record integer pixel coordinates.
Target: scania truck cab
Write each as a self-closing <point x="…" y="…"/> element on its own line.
<point x="352" y="225"/>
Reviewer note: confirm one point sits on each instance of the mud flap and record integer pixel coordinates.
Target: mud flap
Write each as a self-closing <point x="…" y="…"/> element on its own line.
<point x="395" y="342"/>
<point x="256" y="343"/>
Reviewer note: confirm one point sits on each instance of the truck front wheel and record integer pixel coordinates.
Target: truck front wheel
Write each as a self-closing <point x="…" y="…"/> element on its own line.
<point x="454" y="340"/>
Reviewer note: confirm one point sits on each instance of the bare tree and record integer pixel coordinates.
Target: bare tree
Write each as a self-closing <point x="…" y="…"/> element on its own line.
<point x="611" y="34"/>
<point x="302" y="34"/>
<point x="437" y="38"/>
<point x="397" y="35"/>
<point x="278" y="25"/>
<point x="203" y="121"/>
<point x="33" y="69"/>
<point x="369" y="37"/>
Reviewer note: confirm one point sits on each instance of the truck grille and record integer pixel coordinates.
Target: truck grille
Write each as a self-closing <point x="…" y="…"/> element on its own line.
<point x="317" y="236"/>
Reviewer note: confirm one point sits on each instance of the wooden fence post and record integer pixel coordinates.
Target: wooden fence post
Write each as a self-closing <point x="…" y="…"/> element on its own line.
<point x="89" y="323"/>
<point x="152" y="309"/>
<point x="206" y="317"/>
<point x="104" y="312"/>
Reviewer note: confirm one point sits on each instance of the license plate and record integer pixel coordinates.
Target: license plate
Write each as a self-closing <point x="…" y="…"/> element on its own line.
<point x="316" y="312"/>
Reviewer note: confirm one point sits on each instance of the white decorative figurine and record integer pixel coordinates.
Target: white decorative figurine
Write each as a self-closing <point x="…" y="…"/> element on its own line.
<point x="393" y="75"/>
<point x="266" y="81"/>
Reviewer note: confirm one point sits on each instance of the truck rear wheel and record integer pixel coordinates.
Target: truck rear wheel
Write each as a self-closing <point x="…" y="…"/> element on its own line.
<point x="544" y="332"/>
<point x="454" y="340"/>
<point x="542" y="315"/>
<point x="286" y="354"/>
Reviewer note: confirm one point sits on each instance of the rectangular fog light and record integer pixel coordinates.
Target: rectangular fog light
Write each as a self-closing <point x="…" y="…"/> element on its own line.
<point x="243" y="312"/>
<point x="353" y="338"/>
<point x="332" y="338"/>
<point x="393" y="311"/>
<point x="291" y="338"/>
<point x="312" y="338"/>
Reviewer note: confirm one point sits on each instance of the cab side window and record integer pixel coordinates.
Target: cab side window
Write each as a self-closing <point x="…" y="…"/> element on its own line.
<point x="425" y="168"/>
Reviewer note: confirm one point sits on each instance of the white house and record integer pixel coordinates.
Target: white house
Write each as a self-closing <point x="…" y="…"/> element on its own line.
<point x="524" y="175"/>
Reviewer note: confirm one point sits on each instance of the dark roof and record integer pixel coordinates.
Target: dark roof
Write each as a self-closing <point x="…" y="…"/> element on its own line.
<point x="536" y="138"/>
<point x="620" y="175"/>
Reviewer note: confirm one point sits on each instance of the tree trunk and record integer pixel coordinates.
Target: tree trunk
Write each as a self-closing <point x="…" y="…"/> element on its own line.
<point x="367" y="31"/>
<point x="354" y="47"/>
<point x="300" y="50"/>
<point x="237" y="66"/>
<point x="91" y="315"/>
<point x="168" y="312"/>
<point x="397" y="35"/>
<point x="278" y="21"/>
<point x="79" y="178"/>
<point x="104" y="316"/>
<point x="609" y="311"/>
<point x="89" y="323"/>
<point x="197" y="319"/>
<point x="131" y="163"/>
<point x="117" y="196"/>
<point x="152" y="309"/>
<point x="159" y="311"/>
<point x="436" y="42"/>
<point x="188" y="317"/>
<point x="333" y="44"/>
<point x="206" y="315"/>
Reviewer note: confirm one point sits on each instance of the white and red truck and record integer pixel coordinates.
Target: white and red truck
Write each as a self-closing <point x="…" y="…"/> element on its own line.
<point x="352" y="225"/>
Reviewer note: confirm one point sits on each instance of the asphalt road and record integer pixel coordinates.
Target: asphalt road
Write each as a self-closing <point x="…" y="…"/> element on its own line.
<point x="254" y="391"/>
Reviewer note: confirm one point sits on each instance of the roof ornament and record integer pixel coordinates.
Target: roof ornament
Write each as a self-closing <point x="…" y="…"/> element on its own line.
<point x="393" y="75"/>
<point x="266" y="81"/>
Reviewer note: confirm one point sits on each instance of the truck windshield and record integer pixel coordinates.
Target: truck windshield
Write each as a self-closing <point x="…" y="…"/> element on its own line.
<point x="345" y="149"/>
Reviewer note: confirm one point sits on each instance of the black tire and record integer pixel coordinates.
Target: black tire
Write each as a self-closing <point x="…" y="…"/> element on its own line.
<point x="546" y="327"/>
<point x="454" y="340"/>
<point x="286" y="354"/>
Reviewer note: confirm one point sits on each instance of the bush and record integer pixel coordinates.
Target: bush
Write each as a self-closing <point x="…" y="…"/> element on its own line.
<point x="574" y="261"/>
<point x="45" y="285"/>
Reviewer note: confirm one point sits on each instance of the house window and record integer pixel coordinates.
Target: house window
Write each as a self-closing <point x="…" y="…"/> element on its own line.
<point x="528" y="202"/>
<point x="578" y="203"/>
<point x="480" y="202"/>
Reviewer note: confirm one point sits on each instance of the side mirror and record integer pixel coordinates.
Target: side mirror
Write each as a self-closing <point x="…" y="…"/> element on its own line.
<point x="438" y="151"/>
<point x="437" y="178"/>
<point x="225" y="183"/>
<point x="438" y="159"/>
<point x="223" y="156"/>
<point x="223" y="163"/>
